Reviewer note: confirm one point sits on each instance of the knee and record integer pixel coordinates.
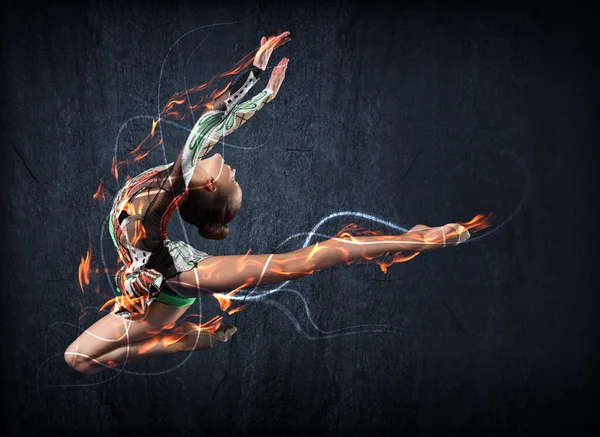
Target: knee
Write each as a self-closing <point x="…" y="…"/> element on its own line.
<point x="78" y="361"/>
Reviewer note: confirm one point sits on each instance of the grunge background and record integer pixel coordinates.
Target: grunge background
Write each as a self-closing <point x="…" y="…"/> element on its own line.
<point x="417" y="113"/>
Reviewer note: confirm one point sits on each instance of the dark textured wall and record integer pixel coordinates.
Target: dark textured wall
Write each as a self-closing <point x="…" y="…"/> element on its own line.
<point x="415" y="114"/>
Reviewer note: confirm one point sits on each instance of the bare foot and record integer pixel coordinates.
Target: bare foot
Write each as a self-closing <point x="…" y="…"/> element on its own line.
<point x="195" y="339"/>
<point x="438" y="237"/>
<point x="454" y="234"/>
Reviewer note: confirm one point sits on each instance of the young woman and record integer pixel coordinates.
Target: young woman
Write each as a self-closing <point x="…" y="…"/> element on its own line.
<point x="160" y="279"/>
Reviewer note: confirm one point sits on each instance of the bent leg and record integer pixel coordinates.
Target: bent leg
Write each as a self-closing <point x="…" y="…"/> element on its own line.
<point x="113" y="332"/>
<point x="187" y="338"/>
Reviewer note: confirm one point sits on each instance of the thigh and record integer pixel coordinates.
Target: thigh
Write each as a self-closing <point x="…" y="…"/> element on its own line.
<point x="219" y="274"/>
<point x="112" y="331"/>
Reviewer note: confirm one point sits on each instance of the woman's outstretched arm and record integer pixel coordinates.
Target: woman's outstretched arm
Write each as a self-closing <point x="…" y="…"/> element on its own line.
<point x="225" y="273"/>
<point x="227" y="113"/>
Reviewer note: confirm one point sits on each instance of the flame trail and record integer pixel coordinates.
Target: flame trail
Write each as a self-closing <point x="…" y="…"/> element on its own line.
<point x="84" y="265"/>
<point x="178" y="107"/>
<point x="99" y="192"/>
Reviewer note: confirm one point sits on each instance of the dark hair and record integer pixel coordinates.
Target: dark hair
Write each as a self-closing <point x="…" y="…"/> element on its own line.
<point x="209" y="212"/>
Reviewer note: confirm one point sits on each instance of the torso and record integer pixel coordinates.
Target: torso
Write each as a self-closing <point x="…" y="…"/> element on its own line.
<point x="140" y="215"/>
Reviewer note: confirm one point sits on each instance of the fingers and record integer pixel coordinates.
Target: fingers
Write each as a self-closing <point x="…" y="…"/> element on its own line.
<point x="282" y="42"/>
<point x="267" y="46"/>
<point x="276" y="41"/>
<point x="277" y="75"/>
<point x="282" y="64"/>
<point x="283" y="37"/>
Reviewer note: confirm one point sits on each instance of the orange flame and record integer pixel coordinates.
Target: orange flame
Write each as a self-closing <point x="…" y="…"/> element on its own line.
<point x="168" y="340"/>
<point x="479" y="222"/>
<point x="181" y="98"/>
<point x="163" y="328"/>
<point x="154" y="124"/>
<point x="137" y="304"/>
<point x="99" y="192"/>
<point x="83" y="313"/>
<point x="139" y="232"/>
<point x="396" y="258"/>
<point x="147" y="152"/>
<point x="235" y="310"/>
<point x="212" y="325"/>
<point x="315" y="249"/>
<point x="215" y="95"/>
<point x="148" y="345"/>
<point x="224" y="299"/>
<point x="114" y="168"/>
<point x="139" y="146"/>
<point x="351" y="231"/>
<point x="84" y="266"/>
<point x="224" y="302"/>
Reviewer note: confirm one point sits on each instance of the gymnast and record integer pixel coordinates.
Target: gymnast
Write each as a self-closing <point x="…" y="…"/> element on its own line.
<point x="160" y="278"/>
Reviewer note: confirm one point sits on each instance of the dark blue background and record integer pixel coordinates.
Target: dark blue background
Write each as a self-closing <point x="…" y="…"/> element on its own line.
<point x="417" y="113"/>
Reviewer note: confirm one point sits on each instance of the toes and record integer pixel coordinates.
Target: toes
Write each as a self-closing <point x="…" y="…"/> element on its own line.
<point x="463" y="235"/>
<point x="462" y="232"/>
<point x="223" y="334"/>
<point x="196" y="339"/>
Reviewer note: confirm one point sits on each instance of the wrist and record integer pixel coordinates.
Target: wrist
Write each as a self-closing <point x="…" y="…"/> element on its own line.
<point x="260" y="67"/>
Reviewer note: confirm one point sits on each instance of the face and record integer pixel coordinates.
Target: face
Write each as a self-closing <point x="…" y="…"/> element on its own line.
<point x="223" y="174"/>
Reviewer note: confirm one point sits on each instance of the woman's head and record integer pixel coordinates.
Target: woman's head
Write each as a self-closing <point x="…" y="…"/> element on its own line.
<point x="214" y="198"/>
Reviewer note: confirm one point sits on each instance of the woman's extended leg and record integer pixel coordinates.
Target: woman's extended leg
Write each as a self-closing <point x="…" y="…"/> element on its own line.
<point x="226" y="273"/>
<point x="113" y="341"/>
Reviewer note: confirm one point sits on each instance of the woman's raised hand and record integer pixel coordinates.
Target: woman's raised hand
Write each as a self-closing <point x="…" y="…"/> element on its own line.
<point x="277" y="76"/>
<point x="261" y="59"/>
